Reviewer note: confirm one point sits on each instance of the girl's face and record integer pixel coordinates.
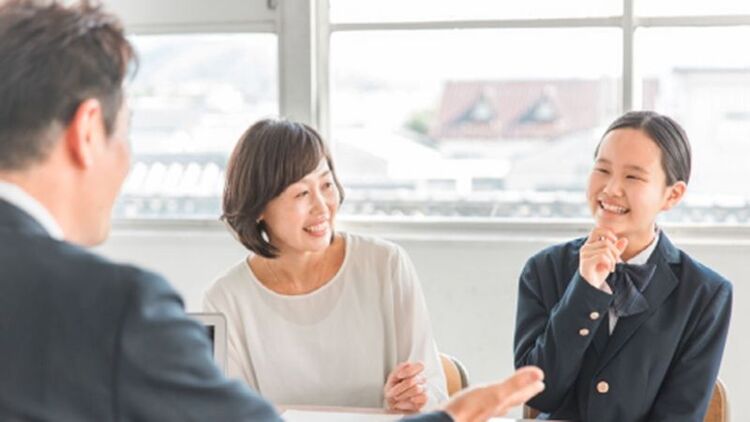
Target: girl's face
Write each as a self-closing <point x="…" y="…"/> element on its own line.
<point x="627" y="187"/>
<point x="301" y="218"/>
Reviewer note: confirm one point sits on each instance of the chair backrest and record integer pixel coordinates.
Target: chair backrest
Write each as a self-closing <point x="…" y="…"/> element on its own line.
<point x="456" y="378"/>
<point x="530" y="412"/>
<point x="718" y="407"/>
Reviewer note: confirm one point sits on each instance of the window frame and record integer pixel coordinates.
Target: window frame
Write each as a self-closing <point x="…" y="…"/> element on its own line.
<point x="304" y="30"/>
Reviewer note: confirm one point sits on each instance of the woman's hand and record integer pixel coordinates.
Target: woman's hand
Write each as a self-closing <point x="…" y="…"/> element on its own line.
<point x="599" y="255"/>
<point x="404" y="390"/>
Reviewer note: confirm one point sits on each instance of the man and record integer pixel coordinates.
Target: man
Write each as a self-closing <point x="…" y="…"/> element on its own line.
<point x="81" y="338"/>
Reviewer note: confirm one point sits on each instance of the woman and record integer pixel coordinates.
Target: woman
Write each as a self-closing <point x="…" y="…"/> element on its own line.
<point x="317" y="316"/>
<point x="626" y="326"/>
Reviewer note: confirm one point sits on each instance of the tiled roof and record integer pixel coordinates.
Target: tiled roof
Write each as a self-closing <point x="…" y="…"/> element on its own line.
<point x="526" y="109"/>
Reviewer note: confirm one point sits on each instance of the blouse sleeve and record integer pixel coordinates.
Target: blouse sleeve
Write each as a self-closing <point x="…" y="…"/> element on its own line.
<point x="414" y="339"/>
<point x="238" y="356"/>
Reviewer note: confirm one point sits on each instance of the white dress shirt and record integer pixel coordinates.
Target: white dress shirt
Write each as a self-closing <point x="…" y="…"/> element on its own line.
<point x="20" y="198"/>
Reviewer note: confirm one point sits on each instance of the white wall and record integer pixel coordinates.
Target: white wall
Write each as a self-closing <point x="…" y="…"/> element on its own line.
<point x="469" y="275"/>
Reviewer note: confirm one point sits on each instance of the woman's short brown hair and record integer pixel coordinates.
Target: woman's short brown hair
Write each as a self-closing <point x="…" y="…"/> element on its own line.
<point x="271" y="155"/>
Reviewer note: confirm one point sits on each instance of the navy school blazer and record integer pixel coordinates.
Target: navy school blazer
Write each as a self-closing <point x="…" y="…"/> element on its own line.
<point x="659" y="365"/>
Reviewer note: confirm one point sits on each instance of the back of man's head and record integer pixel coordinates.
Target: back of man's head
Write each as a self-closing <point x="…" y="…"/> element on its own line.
<point x="52" y="58"/>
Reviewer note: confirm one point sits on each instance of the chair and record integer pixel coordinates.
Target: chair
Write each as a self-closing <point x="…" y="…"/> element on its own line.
<point x="530" y="412"/>
<point x="455" y="374"/>
<point x="718" y="407"/>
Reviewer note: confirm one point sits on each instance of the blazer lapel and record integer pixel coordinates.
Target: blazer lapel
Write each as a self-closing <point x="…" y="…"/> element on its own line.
<point x="661" y="286"/>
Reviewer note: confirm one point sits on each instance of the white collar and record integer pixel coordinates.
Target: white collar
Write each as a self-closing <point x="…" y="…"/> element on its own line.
<point x="21" y="199"/>
<point x="642" y="257"/>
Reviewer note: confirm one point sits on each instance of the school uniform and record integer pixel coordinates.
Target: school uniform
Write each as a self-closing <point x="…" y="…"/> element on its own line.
<point x="658" y="364"/>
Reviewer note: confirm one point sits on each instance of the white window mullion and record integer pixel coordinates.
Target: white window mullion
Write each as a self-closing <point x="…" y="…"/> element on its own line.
<point x="323" y="69"/>
<point x="297" y="60"/>
<point x="628" y="75"/>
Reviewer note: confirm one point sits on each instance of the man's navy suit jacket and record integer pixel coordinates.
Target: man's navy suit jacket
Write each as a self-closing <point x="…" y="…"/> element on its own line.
<point x="85" y="339"/>
<point x="659" y="365"/>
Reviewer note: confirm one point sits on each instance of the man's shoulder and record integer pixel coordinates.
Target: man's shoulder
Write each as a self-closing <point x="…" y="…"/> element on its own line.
<point x="65" y="265"/>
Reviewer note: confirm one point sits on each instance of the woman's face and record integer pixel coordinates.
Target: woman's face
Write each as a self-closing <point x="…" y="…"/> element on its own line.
<point x="627" y="187"/>
<point x="301" y="219"/>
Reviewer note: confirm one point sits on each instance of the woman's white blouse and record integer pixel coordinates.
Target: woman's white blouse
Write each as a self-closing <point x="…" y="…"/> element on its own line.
<point x="336" y="345"/>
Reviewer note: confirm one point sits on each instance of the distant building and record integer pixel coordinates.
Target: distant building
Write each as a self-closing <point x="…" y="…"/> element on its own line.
<point x="512" y="149"/>
<point x="546" y="129"/>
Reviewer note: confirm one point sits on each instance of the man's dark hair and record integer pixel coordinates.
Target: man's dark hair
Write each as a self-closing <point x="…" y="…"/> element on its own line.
<point x="270" y="156"/>
<point x="668" y="135"/>
<point x="52" y="58"/>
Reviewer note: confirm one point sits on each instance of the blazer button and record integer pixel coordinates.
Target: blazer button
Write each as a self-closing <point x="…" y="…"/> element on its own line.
<point x="602" y="387"/>
<point x="583" y="332"/>
<point x="594" y="315"/>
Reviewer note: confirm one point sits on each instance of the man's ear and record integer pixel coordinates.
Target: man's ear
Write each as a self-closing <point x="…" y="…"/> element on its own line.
<point x="675" y="193"/>
<point x="84" y="131"/>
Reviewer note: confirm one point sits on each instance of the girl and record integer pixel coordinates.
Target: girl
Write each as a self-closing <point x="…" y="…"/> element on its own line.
<point x="626" y="326"/>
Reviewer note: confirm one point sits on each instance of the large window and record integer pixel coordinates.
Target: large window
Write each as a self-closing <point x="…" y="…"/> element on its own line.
<point x="437" y="108"/>
<point x="192" y="98"/>
<point x="493" y="109"/>
<point x="705" y="85"/>
<point x="446" y="123"/>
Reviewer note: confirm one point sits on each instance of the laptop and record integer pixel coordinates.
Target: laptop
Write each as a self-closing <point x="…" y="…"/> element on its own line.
<point x="216" y="330"/>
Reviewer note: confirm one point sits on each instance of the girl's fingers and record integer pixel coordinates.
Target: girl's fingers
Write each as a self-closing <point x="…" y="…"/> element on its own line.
<point x="600" y="233"/>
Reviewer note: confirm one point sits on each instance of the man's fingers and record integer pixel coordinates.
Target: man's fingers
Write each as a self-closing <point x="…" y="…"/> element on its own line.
<point x="525" y="376"/>
<point x="522" y="378"/>
<point x="481" y="402"/>
<point x="522" y="395"/>
<point x="526" y="383"/>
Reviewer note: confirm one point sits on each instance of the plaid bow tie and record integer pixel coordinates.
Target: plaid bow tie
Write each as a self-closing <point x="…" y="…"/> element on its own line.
<point x="627" y="283"/>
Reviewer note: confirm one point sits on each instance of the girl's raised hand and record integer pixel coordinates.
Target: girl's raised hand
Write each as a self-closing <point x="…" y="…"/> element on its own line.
<point x="599" y="255"/>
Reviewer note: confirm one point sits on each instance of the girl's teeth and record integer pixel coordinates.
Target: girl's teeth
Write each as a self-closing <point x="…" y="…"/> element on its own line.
<point x="614" y="208"/>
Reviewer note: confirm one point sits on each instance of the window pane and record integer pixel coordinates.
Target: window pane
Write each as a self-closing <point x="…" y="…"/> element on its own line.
<point x="472" y="122"/>
<point x="192" y="98"/>
<point x="707" y="89"/>
<point x="691" y="8"/>
<point x="427" y="10"/>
